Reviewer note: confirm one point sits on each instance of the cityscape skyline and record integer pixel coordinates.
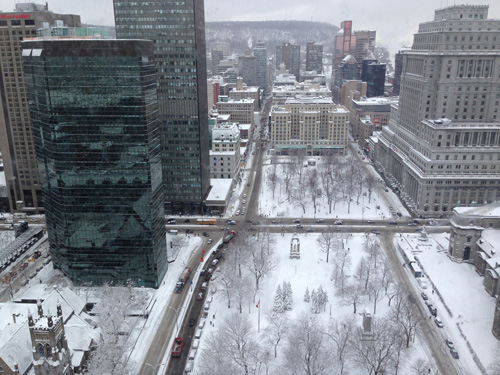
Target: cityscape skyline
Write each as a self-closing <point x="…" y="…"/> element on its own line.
<point x="365" y="16"/>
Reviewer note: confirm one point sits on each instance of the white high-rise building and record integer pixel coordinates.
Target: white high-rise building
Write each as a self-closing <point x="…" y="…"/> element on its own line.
<point x="441" y="148"/>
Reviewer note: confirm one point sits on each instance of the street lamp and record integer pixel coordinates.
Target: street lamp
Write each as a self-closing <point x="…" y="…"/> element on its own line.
<point x="154" y="367"/>
<point x="177" y="317"/>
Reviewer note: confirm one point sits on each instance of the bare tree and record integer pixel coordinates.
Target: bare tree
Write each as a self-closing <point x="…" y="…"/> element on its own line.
<point x="308" y="348"/>
<point x="407" y="317"/>
<point x="299" y="195"/>
<point x="363" y="272"/>
<point x="376" y="289"/>
<point x="277" y="330"/>
<point x="260" y="263"/>
<point x="370" y="183"/>
<point x="340" y="334"/>
<point x="237" y="257"/>
<point x="371" y="246"/>
<point x="327" y="241"/>
<point x="351" y="173"/>
<point x="352" y="295"/>
<point x="342" y="262"/>
<point x="313" y="187"/>
<point x="377" y="355"/>
<point x="273" y="178"/>
<point x="267" y="240"/>
<point x="289" y="171"/>
<point x="236" y="341"/>
<point x="226" y="282"/>
<point x="330" y="181"/>
<point x="422" y="367"/>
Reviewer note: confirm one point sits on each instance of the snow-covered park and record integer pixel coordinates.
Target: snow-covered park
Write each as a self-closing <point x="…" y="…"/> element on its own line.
<point x="307" y="313"/>
<point x="324" y="187"/>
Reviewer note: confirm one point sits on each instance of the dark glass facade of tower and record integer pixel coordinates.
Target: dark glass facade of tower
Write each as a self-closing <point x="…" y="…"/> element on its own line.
<point x="177" y="29"/>
<point x="374" y="75"/>
<point x="94" y="111"/>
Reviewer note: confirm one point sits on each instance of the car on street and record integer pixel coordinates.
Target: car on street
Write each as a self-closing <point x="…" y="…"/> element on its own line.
<point x="171" y="221"/>
<point x="309" y="230"/>
<point x="244" y="201"/>
<point x="275" y="221"/>
<point x="232" y="222"/>
<point x="205" y="234"/>
<point x="189" y="231"/>
<point x="374" y="231"/>
<point x="244" y="195"/>
<point x="320" y="221"/>
<point x="433" y="310"/>
<point x="412" y="224"/>
<point x="338" y="222"/>
<point x="299" y="226"/>
<point x="220" y="246"/>
<point x="192" y="321"/>
<point x="296" y="221"/>
<point x="422" y="283"/>
<point x="449" y="343"/>
<point x="438" y="322"/>
<point x="187" y="220"/>
<point x="214" y="262"/>
<point x="454" y="353"/>
<point x="393" y="222"/>
<point x="424" y="296"/>
<point x="370" y="221"/>
<point x="210" y="241"/>
<point x="203" y="272"/>
<point x="199" y="296"/>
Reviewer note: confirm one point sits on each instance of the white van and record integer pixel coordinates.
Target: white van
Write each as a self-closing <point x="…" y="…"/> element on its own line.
<point x="196" y="344"/>
<point x="197" y="335"/>
<point x="202" y="323"/>
<point x="188" y="368"/>
<point x="192" y="354"/>
<point x="204" y="286"/>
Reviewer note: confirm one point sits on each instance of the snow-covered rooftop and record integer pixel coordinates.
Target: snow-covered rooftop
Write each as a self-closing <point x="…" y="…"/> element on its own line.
<point x="220" y="188"/>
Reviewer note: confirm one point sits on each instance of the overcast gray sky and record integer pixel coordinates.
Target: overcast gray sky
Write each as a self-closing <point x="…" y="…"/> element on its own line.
<point x="394" y="20"/>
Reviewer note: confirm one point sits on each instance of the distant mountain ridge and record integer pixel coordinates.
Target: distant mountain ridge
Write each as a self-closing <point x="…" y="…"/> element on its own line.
<point x="242" y="35"/>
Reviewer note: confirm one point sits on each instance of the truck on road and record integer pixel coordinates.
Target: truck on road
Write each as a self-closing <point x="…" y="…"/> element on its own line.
<point x="228" y="236"/>
<point x="182" y="280"/>
<point x="177" y="347"/>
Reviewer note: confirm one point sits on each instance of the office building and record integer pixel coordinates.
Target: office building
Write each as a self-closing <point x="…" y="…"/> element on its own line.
<point x="217" y="56"/>
<point x="365" y="44"/>
<point x="248" y="68"/>
<point x="344" y="43"/>
<point x="398" y="69"/>
<point x="241" y="111"/>
<point x="441" y="146"/>
<point x="260" y="53"/>
<point x="242" y="91"/>
<point x="313" y="124"/>
<point x="16" y="138"/>
<point x="352" y="90"/>
<point x="314" y="57"/>
<point x="373" y="74"/>
<point x="281" y="94"/>
<point x="289" y="54"/>
<point x="96" y="132"/>
<point x="225" y="153"/>
<point x="177" y="29"/>
<point x="348" y="70"/>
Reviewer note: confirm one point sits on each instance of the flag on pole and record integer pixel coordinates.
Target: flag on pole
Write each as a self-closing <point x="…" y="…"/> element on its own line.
<point x="258" y="303"/>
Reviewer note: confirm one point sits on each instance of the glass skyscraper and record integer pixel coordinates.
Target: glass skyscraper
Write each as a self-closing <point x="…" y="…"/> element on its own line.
<point x="177" y="29"/>
<point x="94" y="111"/>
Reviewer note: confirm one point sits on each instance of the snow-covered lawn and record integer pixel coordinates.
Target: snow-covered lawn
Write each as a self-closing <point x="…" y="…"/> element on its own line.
<point x="283" y="204"/>
<point x="310" y="271"/>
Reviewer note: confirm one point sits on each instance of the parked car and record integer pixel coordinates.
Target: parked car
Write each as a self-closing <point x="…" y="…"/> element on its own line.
<point x="422" y="283"/>
<point x="220" y="246"/>
<point x="393" y="222"/>
<point x="192" y="321"/>
<point x="237" y="212"/>
<point x="171" y="221"/>
<point x="189" y="231"/>
<point x="205" y="234"/>
<point x="438" y="322"/>
<point x="296" y="221"/>
<point x="374" y="231"/>
<point x="210" y="241"/>
<point x="424" y="296"/>
<point x="214" y="262"/>
<point x="370" y="221"/>
<point x="275" y="221"/>
<point x="199" y="296"/>
<point x="244" y="196"/>
<point x="320" y="221"/>
<point x="299" y="226"/>
<point x="309" y="230"/>
<point x="187" y="220"/>
<point x="449" y="343"/>
<point x="454" y="353"/>
<point x="338" y="222"/>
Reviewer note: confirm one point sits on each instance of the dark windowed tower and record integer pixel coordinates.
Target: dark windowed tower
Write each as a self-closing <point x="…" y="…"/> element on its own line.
<point x="95" y="122"/>
<point x="260" y="52"/>
<point x="314" y="57"/>
<point x="16" y="140"/>
<point x="177" y="29"/>
<point x="289" y="54"/>
<point x="374" y="75"/>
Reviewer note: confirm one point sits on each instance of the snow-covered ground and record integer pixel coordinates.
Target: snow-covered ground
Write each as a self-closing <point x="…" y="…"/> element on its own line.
<point x="461" y="300"/>
<point x="310" y="271"/>
<point x="283" y="206"/>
